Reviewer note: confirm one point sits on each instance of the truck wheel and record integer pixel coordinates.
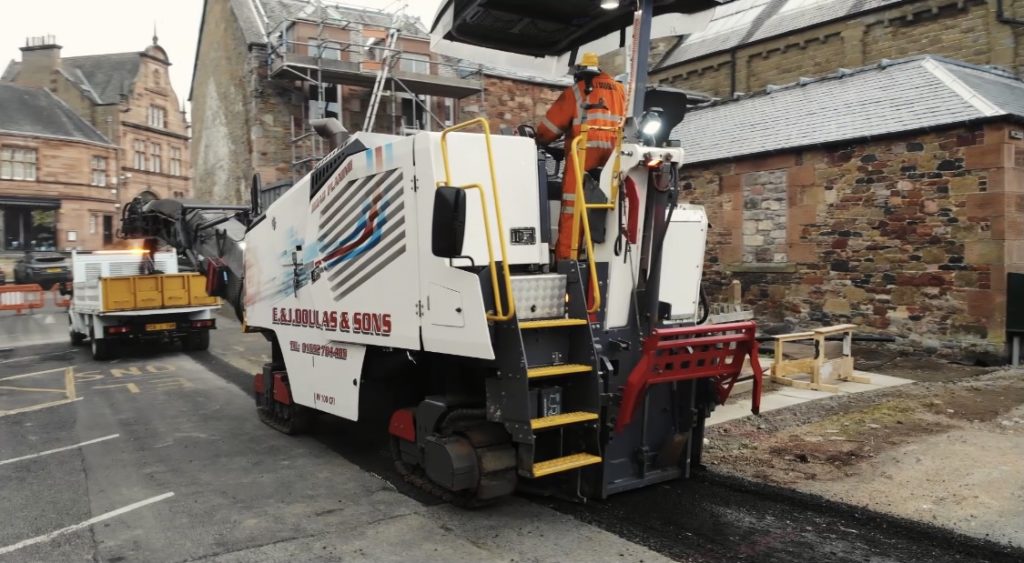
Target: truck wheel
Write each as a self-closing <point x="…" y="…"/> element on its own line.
<point x="197" y="341"/>
<point x="102" y="349"/>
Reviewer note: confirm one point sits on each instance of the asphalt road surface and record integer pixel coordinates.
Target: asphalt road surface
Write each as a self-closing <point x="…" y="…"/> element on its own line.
<point x="160" y="457"/>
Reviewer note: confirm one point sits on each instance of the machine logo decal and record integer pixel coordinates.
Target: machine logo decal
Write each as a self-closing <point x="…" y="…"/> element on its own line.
<point x="362" y="231"/>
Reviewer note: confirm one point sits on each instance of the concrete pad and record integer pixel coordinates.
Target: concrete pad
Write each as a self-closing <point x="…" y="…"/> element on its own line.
<point x="738" y="405"/>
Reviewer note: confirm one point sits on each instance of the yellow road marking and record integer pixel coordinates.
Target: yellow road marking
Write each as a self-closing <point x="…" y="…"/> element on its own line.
<point x="130" y="386"/>
<point x="69" y="383"/>
<point x="10" y="377"/>
<point x="33" y="389"/>
<point x="37" y="407"/>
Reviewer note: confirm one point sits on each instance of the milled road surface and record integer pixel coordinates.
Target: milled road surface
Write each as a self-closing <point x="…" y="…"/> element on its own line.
<point x="219" y="485"/>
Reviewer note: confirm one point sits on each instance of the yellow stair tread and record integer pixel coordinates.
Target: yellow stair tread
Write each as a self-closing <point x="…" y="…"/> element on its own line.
<point x="560" y="464"/>
<point x="561" y="369"/>
<point x="561" y="419"/>
<point x="551" y="323"/>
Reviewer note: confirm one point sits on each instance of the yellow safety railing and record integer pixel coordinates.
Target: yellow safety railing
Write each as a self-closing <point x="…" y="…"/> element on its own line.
<point x="501" y="313"/>
<point x="578" y="151"/>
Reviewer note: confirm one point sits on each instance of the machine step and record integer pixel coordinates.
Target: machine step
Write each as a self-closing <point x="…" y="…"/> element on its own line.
<point x="561" y="419"/>
<point x="561" y="369"/>
<point x="551" y="323"/>
<point x="560" y="464"/>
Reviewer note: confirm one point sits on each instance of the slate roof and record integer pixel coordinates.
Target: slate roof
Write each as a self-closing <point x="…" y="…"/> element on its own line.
<point x="891" y="97"/>
<point x="258" y="18"/>
<point x="101" y="77"/>
<point x="36" y="111"/>
<point x="744" y="21"/>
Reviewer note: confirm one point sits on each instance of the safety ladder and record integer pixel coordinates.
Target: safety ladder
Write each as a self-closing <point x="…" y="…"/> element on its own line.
<point x="547" y="389"/>
<point x="381" y="81"/>
<point x="561" y="387"/>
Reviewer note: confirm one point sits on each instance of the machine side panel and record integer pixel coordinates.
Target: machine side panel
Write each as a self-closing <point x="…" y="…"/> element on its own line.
<point x="683" y="263"/>
<point x="454" y="314"/>
<point x="332" y="274"/>
<point x="323" y="374"/>
<point x="623" y="270"/>
<point x="515" y="166"/>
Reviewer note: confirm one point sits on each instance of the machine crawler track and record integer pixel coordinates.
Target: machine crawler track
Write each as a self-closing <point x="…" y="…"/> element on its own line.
<point x="288" y="419"/>
<point x="495" y="455"/>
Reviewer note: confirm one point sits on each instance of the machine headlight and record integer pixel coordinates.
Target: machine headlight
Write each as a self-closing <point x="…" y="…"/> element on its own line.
<point x="650" y="122"/>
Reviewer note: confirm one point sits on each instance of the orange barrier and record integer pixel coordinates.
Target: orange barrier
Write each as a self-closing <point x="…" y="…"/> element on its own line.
<point x="58" y="299"/>
<point x="21" y="297"/>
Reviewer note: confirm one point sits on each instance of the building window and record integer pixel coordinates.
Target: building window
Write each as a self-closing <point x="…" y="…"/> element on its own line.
<point x="765" y="217"/>
<point x="108" y="230"/>
<point x="17" y="164"/>
<point x="157" y="117"/>
<point x="155" y="161"/>
<point x="326" y="49"/>
<point x="99" y="171"/>
<point x="94" y="222"/>
<point x="139" y="156"/>
<point x="175" y="162"/>
<point x="411" y="62"/>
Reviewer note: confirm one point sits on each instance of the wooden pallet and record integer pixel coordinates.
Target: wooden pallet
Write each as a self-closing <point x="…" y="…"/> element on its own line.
<point x="817" y="367"/>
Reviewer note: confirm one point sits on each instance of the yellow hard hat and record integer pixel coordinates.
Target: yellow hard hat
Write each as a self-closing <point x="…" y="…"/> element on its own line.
<point x="589" y="59"/>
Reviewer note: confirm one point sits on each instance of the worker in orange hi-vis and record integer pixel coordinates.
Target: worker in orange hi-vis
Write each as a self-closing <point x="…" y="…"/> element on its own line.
<point x="595" y="99"/>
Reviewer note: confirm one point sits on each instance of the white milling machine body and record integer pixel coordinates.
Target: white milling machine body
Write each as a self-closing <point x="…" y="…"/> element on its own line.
<point x="416" y="272"/>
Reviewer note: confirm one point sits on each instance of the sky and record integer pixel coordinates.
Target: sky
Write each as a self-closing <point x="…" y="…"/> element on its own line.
<point x="92" y="27"/>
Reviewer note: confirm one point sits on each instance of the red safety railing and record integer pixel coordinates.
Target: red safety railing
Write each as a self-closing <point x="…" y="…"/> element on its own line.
<point x="21" y="297"/>
<point x="714" y="352"/>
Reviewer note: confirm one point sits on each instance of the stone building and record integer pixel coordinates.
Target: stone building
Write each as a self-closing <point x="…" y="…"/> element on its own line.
<point x="751" y="44"/>
<point x="265" y="68"/>
<point x="128" y="98"/>
<point x="890" y="196"/>
<point x="55" y="175"/>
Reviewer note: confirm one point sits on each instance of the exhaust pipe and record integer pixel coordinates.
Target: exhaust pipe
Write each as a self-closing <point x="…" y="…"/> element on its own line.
<point x="331" y="130"/>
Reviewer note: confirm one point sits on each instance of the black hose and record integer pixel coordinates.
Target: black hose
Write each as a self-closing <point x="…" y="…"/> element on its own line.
<point x="704" y="305"/>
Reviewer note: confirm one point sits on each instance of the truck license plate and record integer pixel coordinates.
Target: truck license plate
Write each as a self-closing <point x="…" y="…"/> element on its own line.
<point x="53" y="270"/>
<point x="161" y="326"/>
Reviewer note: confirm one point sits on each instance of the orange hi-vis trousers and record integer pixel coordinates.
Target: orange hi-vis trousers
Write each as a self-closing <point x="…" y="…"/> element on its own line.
<point x="596" y="156"/>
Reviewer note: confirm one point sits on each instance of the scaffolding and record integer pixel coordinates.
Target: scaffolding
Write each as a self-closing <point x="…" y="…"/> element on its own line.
<point x="384" y="69"/>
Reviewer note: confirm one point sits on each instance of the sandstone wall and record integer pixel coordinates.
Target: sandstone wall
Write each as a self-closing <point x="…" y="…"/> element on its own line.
<point x="911" y="237"/>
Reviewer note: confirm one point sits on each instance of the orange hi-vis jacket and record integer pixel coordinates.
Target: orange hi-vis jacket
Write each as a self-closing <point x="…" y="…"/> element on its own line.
<point x="604" y="106"/>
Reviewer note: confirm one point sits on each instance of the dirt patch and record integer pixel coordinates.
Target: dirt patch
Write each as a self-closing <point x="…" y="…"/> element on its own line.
<point x="919" y="441"/>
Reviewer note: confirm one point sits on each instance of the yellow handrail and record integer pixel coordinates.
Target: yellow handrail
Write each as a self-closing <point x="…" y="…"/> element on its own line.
<point x="579" y="146"/>
<point x="501" y="313"/>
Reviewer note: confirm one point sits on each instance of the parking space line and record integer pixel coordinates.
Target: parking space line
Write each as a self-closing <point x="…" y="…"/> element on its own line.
<point x="86" y="524"/>
<point x="37" y="407"/>
<point x="53" y="451"/>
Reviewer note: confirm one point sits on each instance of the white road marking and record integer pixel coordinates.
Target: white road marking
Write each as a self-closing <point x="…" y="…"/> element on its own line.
<point x="65" y="448"/>
<point x="86" y="524"/>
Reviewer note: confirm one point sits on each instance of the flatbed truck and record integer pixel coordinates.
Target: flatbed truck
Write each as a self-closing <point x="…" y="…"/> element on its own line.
<point x="120" y="297"/>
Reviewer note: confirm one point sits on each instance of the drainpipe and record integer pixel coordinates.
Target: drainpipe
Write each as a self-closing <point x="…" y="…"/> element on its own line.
<point x="1003" y="18"/>
<point x="732" y="72"/>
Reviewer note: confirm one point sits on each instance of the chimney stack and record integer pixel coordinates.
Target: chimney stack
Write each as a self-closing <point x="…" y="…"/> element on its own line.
<point x="40" y="57"/>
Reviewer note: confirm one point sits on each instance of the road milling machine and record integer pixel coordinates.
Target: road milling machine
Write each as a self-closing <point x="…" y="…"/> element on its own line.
<point x="426" y="259"/>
